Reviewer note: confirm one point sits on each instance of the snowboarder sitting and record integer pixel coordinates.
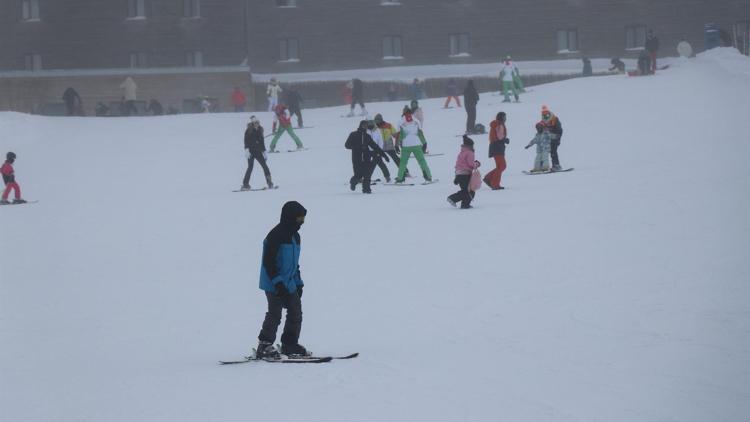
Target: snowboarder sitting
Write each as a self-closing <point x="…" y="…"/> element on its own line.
<point x="465" y="166"/>
<point x="542" y="140"/>
<point x="281" y="281"/>
<point x="365" y="153"/>
<point x="9" y="178"/>
<point x="617" y="65"/>
<point x="285" y="125"/>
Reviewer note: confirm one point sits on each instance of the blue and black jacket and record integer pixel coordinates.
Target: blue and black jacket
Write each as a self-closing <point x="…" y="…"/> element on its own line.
<point x="281" y="250"/>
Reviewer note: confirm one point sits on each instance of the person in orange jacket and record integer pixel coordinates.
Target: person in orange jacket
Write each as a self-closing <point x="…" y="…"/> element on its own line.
<point x="238" y="100"/>
<point x="498" y="139"/>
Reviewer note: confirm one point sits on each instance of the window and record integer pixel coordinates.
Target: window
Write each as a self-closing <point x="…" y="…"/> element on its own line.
<point x="138" y="60"/>
<point x="286" y="3"/>
<point x="460" y="45"/>
<point x="635" y="37"/>
<point x="567" y="40"/>
<point x="390" y="3"/>
<point x="33" y="62"/>
<point x="136" y="9"/>
<point x="194" y="58"/>
<point x="30" y="10"/>
<point x="741" y="37"/>
<point x="289" y="50"/>
<point x="392" y="47"/>
<point x="191" y="8"/>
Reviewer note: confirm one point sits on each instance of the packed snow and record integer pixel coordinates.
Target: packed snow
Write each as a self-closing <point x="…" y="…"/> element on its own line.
<point x="615" y="292"/>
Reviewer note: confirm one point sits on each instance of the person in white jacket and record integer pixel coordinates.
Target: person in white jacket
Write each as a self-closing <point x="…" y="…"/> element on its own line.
<point x="410" y="139"/>
<point x="129" y="95"/>
<point x="273" y="91"/>
<point x="506" y="75"/>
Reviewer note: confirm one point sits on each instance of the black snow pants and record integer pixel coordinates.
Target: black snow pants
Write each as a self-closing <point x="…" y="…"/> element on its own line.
<point x="553" y="152"/>
<point x="464" y="195"/>
<point x="362" y="174"/>
<point x="297" y="112"/>
<point x="293" y="323"/>
<point x="256" y="156"/>
<point x="471" y="118"/>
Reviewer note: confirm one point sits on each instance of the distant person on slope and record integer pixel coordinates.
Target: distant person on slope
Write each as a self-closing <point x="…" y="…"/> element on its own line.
<point x="358" y="97"/>
<point x="255" y="150"/>
<point x="364" y="154"/>
<point x="239" y="100"/>
<point x="411" y="139"/>
<point x="9" y="178"/>
<point x="73" y="103"/>
<point x="542" y="140"/>
<point x="273" y="91"/>
<point x="285" y="125"/>
<point x="617" y="65"/>
<point x="465" y="166"/>
<point x="471" y="98"/>
<point x="652" y="46"/>
<point x="282" y="283"/>
<point x="129" y="96"/>
<point x="294" y="102"/>
<point x="451" y="91"/>
<point x="498" y="139"/>
<point x="552" y="124"/>
<point x="506" y="75"/>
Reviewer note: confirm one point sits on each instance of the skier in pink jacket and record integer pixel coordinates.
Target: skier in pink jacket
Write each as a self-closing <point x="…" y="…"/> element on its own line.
<point x="465" y="166"/>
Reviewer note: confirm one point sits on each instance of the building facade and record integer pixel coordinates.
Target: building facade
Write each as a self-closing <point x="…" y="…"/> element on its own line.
<point x="302" y="35"/>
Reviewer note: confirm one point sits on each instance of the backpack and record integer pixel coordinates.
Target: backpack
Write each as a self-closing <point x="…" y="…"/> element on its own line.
<point x="479" y="128"/>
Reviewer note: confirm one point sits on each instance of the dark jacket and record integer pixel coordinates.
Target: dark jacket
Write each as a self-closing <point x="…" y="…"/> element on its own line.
<point x="293" y="100"/>
<point x="652" y="44"/>
<point x="281" y="250"/>
<point x="357" y="89"/>
<point x="70" y="96"/>
<point x="364" y="149"/>
<point x="555" y="128"/>
<point x="471" y="96"/>
<point x="254" y="140"/>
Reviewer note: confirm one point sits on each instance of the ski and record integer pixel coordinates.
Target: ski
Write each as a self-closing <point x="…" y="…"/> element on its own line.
<point x="287" y="359"/>
<point x="434" y="154"/>
<point x="256" y="189"/>
<point x="399" y="184"/>
<point x="22" y="203"/>
<point x="297" y="150"/>
<point x="532" y="173"/>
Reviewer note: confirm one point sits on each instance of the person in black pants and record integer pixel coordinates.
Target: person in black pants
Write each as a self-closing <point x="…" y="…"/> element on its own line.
<point x="465" y="166"/>
<point x="552" y="123"/>
<point x="294" y="105"/>
<point x="255" y="149"/>
<point x="358" y="97"/>
<point x="471" y="98"/>
<point x="281" y="281"/>
<point x="365" y="153"/>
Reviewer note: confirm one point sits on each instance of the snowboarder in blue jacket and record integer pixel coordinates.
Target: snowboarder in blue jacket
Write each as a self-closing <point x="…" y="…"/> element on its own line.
<point x="282" y="283"/>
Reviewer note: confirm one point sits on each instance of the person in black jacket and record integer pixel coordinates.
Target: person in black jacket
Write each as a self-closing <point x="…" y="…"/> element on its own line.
<point x="617" y="65"/>
<point x="281" y="281"/>
<point x="294" y="105"/>
<point x="73" y="103"/>
<point x="364" y="156"/>
<point x="255" y="149"/>
<point x="471" y="98"/>
<point x="652" y="46"/>
<point x="358" y="97"/>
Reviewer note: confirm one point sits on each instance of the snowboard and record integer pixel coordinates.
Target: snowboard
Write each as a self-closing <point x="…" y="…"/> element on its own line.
<point x="257" y="189"/>
<point x="27" y="202"/>
<point x="289" y="150"/>
<point x="412" y="184"/>
<point x="289" y="359"/>
<point x="436" y="154"/>
<point x="532" y="173"/>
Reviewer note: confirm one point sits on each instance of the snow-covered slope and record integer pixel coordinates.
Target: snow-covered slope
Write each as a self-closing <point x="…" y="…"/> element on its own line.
<point x="616" y="292"/>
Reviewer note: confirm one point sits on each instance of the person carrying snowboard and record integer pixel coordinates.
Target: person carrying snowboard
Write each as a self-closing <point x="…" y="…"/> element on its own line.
<point x="542" y="141"/>
<point x="364" y="153"/>
<point x="506" y="76"/>
<point x="9" y="178"/>
<point x="255" y="150"/>
<point x="552" y="125"/>
<point x="465" y="166"/>
<point x="282" y="283"/>
<point x="411" y="139"/>
<point x="498" y="139"/>
<point x="285" y="125"/>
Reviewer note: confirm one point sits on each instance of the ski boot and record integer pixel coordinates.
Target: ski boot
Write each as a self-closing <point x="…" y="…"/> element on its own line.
<point x="270" y="182"/>
<point x="450" y="201"/>
<point x="294" y="350"/>
<point x="266" y="350"/>
<point x="245" y="187"/>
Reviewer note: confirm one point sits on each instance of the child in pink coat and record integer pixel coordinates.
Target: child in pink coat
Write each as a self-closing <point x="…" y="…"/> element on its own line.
<point x="465" y="166"/>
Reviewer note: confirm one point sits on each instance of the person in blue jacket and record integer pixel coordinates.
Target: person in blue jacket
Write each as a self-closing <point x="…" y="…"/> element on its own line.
<point x="280" y="279"/>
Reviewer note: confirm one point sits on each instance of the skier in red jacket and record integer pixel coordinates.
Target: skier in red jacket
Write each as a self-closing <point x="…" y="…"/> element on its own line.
<point x="9" y="178"/>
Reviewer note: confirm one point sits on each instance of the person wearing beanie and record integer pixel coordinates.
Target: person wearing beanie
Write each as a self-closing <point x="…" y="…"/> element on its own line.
<point x="255" y="150"/>
<point x="9" y="178"/>
<point x="465" y="166"/>
<point x="390" y="137"/>
<point x="507" y="73"/>
<point x="498" y="139"/>
<point x="552" y="124"/>
<point x="281" y="281"/>
<point x="365" y="153"/>
<point x="285" y="125"/>
<point x="542" y="142"/>
<point x="411" y="140"/>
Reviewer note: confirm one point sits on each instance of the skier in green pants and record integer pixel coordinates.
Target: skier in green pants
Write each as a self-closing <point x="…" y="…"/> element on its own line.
<point x="285" y="125"/>
<point x="411" y="140"/>
<point x="507" y="77"/>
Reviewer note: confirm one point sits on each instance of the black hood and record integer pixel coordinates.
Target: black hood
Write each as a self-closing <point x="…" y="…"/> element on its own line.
<point x="289" y="213"/>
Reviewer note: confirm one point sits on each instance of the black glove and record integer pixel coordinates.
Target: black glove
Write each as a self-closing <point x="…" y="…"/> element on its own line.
<point x="424" y="147"/>
<point x="281" y="290"/>
<point x="507" y="141"/>
<point x="527" y="146"/>
<point x="455" y="180"/>
<point x="299" y="289"/>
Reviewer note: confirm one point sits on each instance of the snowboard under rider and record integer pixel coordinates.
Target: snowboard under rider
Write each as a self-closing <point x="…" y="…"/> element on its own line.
<point x="282" y="283"/>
